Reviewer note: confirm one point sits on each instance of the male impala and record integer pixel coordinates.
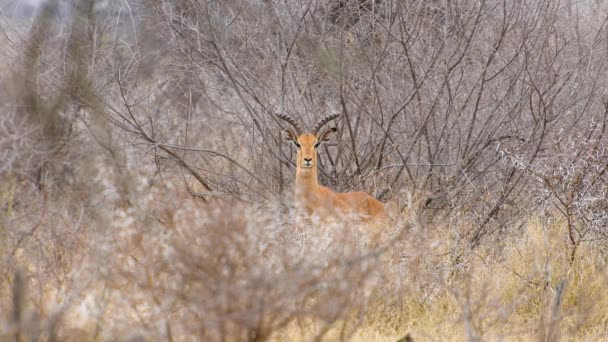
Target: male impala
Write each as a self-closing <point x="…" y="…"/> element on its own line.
<point x="314" y="198"/>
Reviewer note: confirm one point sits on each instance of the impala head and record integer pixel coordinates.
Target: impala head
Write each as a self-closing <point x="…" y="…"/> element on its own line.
<point x="307" y="142"/>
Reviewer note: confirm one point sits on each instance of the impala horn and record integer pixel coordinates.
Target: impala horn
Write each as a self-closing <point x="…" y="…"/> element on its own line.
<point x="290" y="120"/>
<point x="324" y="122"/>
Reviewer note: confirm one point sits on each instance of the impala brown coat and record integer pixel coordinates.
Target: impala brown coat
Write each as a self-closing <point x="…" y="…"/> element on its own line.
<point x="316" y="199"/>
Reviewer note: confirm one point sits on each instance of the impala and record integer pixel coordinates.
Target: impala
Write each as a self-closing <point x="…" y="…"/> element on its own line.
<point x="310" y="196"/>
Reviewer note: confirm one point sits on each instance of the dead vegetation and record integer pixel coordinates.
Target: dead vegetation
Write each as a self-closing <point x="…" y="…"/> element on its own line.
<point x="146" y="193"/>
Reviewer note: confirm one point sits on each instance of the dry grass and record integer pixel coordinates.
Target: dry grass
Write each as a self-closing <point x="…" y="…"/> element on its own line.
<point x="496" y="297"/>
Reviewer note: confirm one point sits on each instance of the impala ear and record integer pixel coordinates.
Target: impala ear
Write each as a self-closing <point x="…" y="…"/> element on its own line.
<point x="326" y="134"/>
<point x="289" y="135"/>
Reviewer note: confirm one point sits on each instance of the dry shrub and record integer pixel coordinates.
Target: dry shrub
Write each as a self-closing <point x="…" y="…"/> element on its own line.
<point x="233" y="271"/>
<point x="182" y="270"/>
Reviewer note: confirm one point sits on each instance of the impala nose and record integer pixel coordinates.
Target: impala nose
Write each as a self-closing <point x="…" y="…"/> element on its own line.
<point x="307" y="161"/>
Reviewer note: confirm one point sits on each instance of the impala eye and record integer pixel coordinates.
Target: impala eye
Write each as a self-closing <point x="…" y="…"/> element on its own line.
<point x="317" y="144"/>
<point x="297" y="144"/>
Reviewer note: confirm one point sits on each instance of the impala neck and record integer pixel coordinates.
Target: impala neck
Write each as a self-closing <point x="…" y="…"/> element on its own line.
<point x="306" y="181"/>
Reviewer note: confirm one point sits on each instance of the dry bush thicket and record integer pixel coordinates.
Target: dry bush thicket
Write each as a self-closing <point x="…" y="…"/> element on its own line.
<point x="146" y="191"/>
